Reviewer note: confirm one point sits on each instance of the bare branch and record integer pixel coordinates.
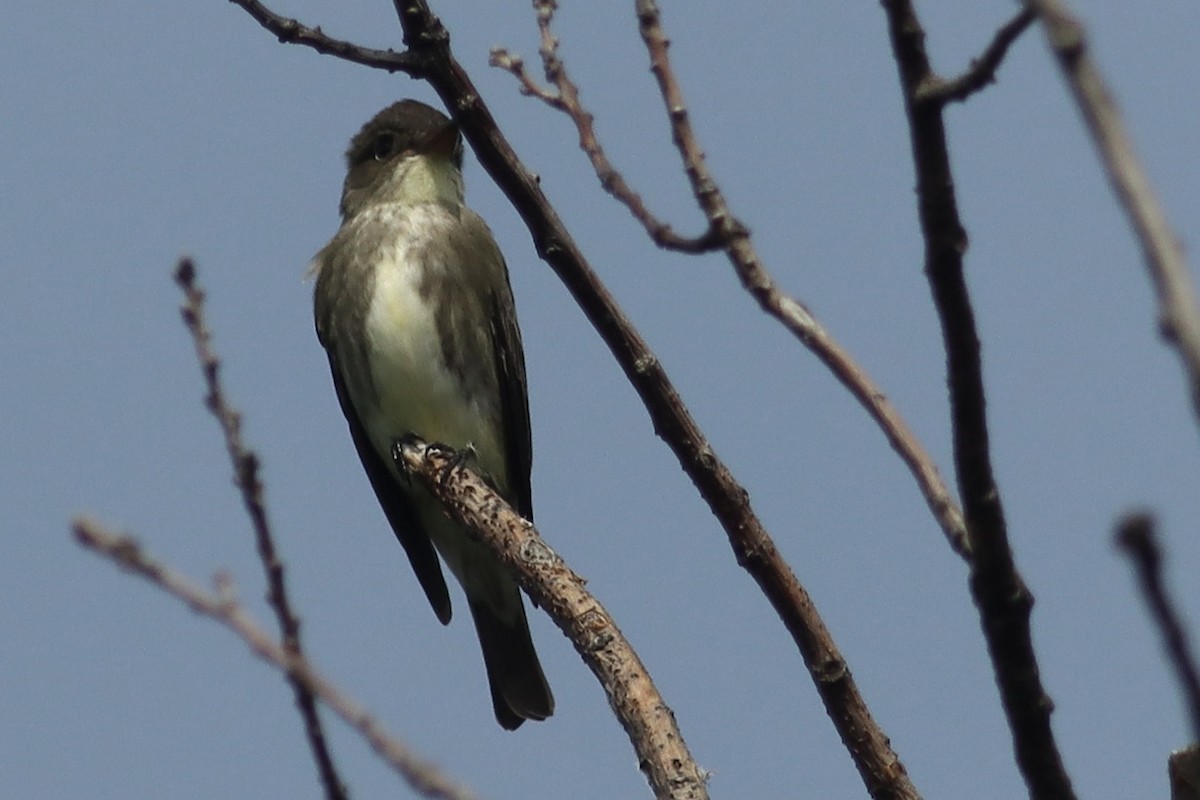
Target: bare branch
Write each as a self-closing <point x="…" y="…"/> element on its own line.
<point x="515" y="66"/>
<point x="222" y="607"/>
<point x="290" y="31"/>
<point x="245" y="477"/>
<point x="566" y="99"/>
<point x="790" y="312"/>
<point x="554" y="587"/>
<point x="1135" y="535"/>
<point x="1179" y="316"/>
<point x="1004" y="602"/>
<point x="982" y="71"/>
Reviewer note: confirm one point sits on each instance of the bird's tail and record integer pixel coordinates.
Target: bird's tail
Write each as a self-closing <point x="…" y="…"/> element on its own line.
<point x="519" y="689"/>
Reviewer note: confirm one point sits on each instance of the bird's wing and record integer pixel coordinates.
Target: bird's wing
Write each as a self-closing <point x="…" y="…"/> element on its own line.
<point x="397" y="506"/>
<point x="509" y="358"/>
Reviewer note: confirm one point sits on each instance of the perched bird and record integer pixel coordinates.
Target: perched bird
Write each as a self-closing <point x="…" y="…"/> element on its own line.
<point x="415" y="312"/>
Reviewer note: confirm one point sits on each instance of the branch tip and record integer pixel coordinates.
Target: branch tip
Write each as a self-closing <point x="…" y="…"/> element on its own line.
<point x="1136" y="536"/>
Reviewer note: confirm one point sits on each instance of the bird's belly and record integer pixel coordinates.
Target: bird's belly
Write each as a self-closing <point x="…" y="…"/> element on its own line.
<point x="414" y="389"/>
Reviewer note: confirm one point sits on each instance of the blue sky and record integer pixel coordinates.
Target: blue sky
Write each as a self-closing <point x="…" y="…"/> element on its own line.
<point x="136" y="133"/>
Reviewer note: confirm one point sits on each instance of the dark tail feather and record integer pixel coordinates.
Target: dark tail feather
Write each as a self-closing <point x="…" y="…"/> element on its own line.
<point x="519" y="689"/>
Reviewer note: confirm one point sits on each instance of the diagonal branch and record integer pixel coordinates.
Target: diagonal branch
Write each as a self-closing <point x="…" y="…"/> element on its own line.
<point x="556" y="589"/>
<point x="421" y="775"/>
<point x="1179" y="316"/>
<point x="794" y="316"/>
<point x="982" y="70"/>
<point x="787" y="310"/>
<point x="1003" y="600"/>
<point x="290" y="31"/>
<point x="245" y="476"/>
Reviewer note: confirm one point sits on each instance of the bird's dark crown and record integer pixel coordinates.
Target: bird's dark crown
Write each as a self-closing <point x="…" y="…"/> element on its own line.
<point x="399" y="128"/>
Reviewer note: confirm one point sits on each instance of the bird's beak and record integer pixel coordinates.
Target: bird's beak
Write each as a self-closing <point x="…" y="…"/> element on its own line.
<point x="441" y="142"/>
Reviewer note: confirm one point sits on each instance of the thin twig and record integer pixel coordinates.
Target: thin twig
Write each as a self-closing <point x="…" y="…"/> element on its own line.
<point x="421" y="775"/>
<point x="566" y="99"/>
<point x="982" y="70"/>
<point x="1179" y="315"/>
<point x="515" y="66"/>
<point x="1000" y="594"/>
<point x="290" y="31"/>
<point x="555" y="588"/>
<point x="1136" y="536"/>
<point x="245" y="477"/>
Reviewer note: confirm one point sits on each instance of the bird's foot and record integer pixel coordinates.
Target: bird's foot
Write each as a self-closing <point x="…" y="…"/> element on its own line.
<point x="455" y="457"/>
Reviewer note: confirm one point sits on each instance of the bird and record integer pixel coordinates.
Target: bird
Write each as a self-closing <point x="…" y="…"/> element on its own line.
<point x="413" y="306"/>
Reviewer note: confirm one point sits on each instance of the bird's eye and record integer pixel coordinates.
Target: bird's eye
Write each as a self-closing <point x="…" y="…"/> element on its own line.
<point x="384" y="146"/>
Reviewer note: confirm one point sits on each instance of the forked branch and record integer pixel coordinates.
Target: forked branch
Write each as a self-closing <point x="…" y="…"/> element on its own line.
<point x="1000" y="594"/>
<point x="290" y="31"/>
